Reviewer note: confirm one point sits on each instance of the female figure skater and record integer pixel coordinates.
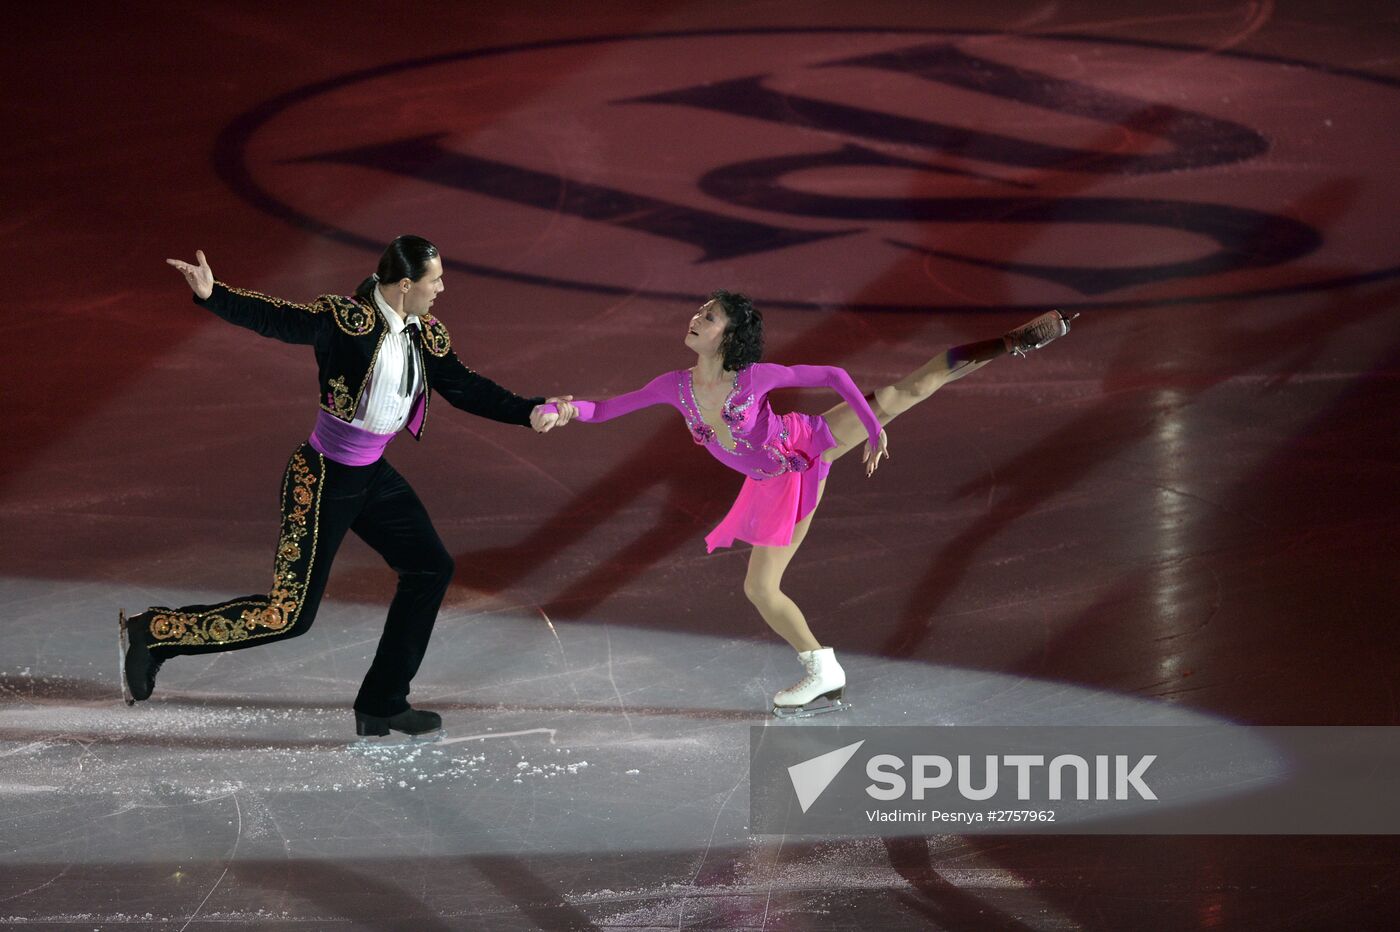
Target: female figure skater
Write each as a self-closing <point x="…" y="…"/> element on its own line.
<point x="785" y="458"/>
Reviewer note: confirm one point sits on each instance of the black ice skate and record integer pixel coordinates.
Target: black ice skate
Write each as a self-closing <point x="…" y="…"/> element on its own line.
<point x="418" y="724"/>
<point x="138" y="668"/>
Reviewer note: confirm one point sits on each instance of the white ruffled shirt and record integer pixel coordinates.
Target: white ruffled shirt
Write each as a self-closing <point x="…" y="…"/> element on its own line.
<point x="388" y="399"/>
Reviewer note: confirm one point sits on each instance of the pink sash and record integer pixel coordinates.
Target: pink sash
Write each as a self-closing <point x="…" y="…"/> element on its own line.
<point x="350" y="446"/>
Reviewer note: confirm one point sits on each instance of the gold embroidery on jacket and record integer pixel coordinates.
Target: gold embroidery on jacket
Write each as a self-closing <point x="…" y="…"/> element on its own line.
<point x="423" y="418"/>
<point x="341" y="404"/>
<point x="435" y="336"/>
<point x="279" y="302"/>
<point x="256" y="618"/>
<point x="350" y="315"/>
<point x="339" y="401"/>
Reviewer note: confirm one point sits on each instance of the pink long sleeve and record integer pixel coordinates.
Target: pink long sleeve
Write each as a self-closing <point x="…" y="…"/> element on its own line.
<point x="768" y="376"/>
<point x="660" y="390"/>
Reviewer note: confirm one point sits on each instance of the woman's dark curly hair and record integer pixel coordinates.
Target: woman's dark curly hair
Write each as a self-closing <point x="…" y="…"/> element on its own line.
<point x="742" y="345"/>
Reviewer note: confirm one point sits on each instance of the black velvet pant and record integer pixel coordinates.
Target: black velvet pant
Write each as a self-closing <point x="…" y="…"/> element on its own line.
<point x="321" y="500"/>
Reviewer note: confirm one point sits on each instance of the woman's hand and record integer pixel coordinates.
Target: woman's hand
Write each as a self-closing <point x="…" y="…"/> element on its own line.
<point x="566" y="410"/>
<point x="872" y="455"/>
<point x="543" y="421"/>
<point x="199" y="277"/>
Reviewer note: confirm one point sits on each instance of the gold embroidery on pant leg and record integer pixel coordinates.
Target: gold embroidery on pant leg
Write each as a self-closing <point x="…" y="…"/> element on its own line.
<point x="168" y="625"/>
<point x="247" y="618"/>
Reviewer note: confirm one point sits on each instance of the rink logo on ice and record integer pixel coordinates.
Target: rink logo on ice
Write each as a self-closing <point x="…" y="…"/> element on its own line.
<point x="1070" y="170"/>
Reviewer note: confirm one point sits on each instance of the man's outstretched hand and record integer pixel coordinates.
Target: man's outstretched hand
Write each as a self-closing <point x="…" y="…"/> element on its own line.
<point x="199" y="277"/>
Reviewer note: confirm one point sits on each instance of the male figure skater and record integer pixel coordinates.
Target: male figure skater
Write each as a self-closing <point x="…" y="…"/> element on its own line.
<point x="380" y="354"/>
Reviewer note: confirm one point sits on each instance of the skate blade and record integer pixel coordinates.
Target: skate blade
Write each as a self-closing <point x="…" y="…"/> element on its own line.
<point x="794" y="712"/>
<point x="123" y="645"/>
<point x="1065" y="321"/>
<point x="395" y="739"/>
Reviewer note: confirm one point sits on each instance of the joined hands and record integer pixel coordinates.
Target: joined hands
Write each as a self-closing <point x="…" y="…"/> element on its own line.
<point x="544" y="421"/>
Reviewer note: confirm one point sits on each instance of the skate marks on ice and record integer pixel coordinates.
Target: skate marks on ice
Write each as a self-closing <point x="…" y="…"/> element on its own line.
<point x="603" y="738"/>
<point x="782" y="884"/>
<point x="579" y="740"/>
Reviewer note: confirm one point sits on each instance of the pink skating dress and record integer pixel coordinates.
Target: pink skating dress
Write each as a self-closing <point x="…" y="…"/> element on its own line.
<point x="779" y="455"/>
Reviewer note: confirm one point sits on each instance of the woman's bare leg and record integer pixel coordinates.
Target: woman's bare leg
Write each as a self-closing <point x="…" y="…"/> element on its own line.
<point x="763" y="587"/>
<point x="893" y="400"/>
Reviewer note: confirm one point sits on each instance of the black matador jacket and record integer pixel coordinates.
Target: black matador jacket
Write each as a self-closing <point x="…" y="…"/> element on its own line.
<point x="346" y="333"/>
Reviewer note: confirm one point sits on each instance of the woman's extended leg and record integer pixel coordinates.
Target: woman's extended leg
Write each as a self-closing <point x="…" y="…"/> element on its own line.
<point x="949" y="366"/>
<point x="763" y="583"/>
<point x="893" y="400"/>
<point x="763" y="587"/>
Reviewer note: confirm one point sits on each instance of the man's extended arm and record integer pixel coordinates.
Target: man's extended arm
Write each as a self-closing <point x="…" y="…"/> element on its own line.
<point x="476" y="394"/>
<point x="269" y="317"/>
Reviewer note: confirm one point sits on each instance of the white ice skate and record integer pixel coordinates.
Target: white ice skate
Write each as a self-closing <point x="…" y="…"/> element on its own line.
<point x="825" y="680"/>
<point x="1032" y="336"/>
